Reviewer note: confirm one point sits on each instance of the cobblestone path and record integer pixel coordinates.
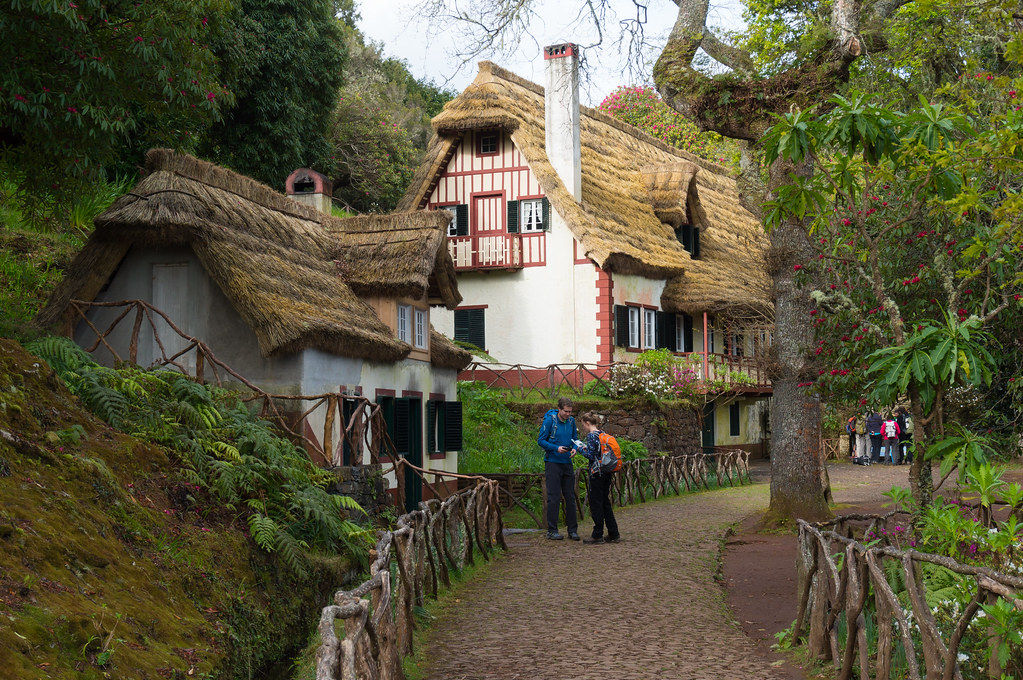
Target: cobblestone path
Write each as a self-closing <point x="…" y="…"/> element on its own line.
<point x="648" y="607"/>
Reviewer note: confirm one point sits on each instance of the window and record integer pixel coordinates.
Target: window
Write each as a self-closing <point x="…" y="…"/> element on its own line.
<point x="733" y="420"/>
<point x="405" y="323"/>
<point x="649" y="328"/>
<point x="421" y="333"/>
<point x="633" y="326"/>
<point x="683" y="333"/>
<point x="737" y="342"/>
<point x="470" y="327"/>
<point x="488" y="143"/>
<point x="532" y="215"/>
<point x="689" y="237"/>
<point x="710" y="336"/>
<point x="453" y="224"/>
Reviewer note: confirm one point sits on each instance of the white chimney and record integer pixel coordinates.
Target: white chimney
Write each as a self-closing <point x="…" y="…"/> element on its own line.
<point x="562" y="115"/>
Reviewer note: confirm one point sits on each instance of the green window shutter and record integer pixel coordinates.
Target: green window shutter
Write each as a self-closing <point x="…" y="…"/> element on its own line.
<point x="696" y="244"/>
<point x="546" y="212"/>
<point x="733" y="420"/>
<point x="431" y="427"/>
<point x="687" y="332"/>
<point x="664" y="333"/>
<point x="477" y="328"/>
<point x="462" y="219"/>
<point x="442" y="415"/>
<point x="462" y="325"/>
<point x="621" y="325"/>
<point x="453" y="425"/>
<point x="513" y="217"/>
<point x="402" y="411"/>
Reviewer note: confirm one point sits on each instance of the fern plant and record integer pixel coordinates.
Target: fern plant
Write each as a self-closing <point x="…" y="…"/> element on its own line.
<point x="222" y="447"/>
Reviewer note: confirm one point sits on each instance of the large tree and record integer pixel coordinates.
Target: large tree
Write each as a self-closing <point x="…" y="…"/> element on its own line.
<point x="85" y="79"/>
<point x="286" y="64"/>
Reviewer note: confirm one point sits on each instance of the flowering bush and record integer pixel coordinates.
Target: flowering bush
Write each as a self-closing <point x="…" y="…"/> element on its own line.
<point x="657" y="374"/>
<point x="643" y="107"/>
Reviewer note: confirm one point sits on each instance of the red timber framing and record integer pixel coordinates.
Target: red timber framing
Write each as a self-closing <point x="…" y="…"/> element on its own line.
<point x="468" y="175"/>
<point x="605" y="317"/>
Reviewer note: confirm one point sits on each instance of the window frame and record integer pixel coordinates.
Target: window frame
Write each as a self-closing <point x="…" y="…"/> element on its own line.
<point x="420" y="332"/>
<point x="404" y="325"/>
<point x="496" y="134"/>
<point x="538" y="225"/>
<point x="635" y="329"/>
<point x="649" y="328"/>
<point x="680" y="333"/>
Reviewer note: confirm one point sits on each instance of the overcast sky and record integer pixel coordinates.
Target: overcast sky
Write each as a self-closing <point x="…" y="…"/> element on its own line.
<point x="430" y="50"/>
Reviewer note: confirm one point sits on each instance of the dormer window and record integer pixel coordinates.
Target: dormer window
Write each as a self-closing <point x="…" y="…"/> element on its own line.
<point x="488" y="143"/>
<point x="689" y="237"/>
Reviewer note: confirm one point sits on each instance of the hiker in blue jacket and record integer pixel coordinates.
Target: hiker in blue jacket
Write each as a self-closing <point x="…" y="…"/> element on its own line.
<point x="557" y="432"/>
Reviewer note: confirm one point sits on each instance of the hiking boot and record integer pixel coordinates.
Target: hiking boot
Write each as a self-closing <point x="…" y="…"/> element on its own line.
<point x="616" y="539"/>
<point x="573" y="536"/>
<point x="554" y="536"/>
<point x="592" y="540"/>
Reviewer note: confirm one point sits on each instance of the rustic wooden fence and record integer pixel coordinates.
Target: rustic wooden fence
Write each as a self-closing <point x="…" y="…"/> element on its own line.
<point x="638" y="481"/>
<point x="411" y="563"/>
<point x="720" y="371"/>
<point x="352" y="424"/>
<point x="862" y="596"/>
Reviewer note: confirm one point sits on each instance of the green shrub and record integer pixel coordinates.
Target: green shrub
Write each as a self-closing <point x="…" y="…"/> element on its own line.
<point x="496" y="438"/>
<point x="223" y="449"/>
<point x="632" y="450"/>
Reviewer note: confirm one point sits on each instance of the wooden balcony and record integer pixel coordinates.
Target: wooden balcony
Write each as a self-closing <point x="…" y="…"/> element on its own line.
<point x="500" y="251"/>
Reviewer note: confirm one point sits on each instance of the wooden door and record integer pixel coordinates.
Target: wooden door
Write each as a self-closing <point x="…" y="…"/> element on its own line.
<point x="172" y="297"/>
<point x="489" y="230"/>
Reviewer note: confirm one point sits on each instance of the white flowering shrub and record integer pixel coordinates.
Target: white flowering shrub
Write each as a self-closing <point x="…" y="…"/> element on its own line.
<point x="656" y="374"/>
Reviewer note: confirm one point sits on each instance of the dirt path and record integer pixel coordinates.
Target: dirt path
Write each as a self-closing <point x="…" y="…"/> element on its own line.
<point x="760" y="569"/>
<point x="653" y="598"/>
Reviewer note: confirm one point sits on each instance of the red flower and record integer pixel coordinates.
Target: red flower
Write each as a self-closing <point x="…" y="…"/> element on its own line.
<point x="20" y="98"/>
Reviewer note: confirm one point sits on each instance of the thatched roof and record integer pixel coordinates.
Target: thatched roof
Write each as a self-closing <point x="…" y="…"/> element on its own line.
<point x="271" y="257"/>
<point x="445" y="353"/>
<point x="398" y="255"/>
<point x="634" y="187"/>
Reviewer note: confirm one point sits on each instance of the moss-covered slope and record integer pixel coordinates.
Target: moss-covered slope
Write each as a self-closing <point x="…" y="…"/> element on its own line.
<point x="110" y="567"/>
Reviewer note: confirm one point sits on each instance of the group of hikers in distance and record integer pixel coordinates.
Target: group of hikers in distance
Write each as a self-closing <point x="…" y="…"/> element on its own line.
<point x="877" y="438"/>
<point x="559" y="439"/>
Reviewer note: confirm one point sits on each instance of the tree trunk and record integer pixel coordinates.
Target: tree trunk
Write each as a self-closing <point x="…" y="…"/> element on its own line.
<point x="921" y="480"/>
<point x="797" y="463"/>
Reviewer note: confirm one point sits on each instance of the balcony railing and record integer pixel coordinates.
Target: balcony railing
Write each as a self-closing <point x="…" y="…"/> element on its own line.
<point x="721" y="372"/>
<point x="500" y="251"/>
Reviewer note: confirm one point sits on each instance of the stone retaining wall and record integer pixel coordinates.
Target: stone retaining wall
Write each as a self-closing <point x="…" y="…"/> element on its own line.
<point x="672" y="429"/>
<point x="364" y="483"/>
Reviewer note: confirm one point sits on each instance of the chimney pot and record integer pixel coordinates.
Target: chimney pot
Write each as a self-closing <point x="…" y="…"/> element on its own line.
<point x="311" y="188"/>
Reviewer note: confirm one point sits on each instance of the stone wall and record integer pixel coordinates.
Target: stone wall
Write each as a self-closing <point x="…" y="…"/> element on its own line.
<point x="364" y="483"/>
<point x="672" y="429"/>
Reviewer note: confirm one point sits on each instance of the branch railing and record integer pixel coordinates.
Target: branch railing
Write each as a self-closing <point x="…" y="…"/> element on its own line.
<point x="411" y="563"/>
<point x="862" y="602"/>
<point x="721" y="371"/>
<point x="642" y="479"/>
<point x="358" y="422"/>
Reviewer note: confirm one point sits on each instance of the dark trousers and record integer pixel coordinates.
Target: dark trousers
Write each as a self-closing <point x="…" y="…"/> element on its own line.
<point x="560" y="479"/>
<point x="600" y="506"/>
<point x="852" y="444"/>
<point x="875" y="448"/>
<point x="907" y="453"/>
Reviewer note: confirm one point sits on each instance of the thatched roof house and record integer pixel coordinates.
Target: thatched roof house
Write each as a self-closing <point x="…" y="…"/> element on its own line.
<point x="635" y="189"/>
<point x="295" y="275"/>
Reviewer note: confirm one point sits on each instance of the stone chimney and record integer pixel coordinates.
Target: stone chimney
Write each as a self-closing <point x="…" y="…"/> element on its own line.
<point x="561" y="104"/>
<point x="310" y="187"/>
